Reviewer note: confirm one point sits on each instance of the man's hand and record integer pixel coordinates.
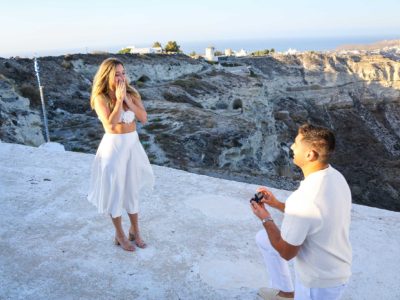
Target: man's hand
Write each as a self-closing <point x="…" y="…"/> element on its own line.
<point x="285" y="250"/>
<point x="269" y="198"/>
<point x="259" y="210"/>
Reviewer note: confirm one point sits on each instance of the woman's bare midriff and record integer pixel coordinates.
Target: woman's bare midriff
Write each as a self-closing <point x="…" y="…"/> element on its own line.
<point x="121" y="128"/>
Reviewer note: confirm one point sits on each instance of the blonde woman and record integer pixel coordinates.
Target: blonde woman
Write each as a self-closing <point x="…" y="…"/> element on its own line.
<point x="121" y="167"/>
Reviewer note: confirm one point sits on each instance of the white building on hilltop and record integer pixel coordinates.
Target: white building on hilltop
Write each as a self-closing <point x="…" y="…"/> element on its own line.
<point x="228" y="52"/>
<point x="134" y="50"/>
<point x="241" y="53"/>
<point x="210" y="54"/>
<point x="291" y="51"/>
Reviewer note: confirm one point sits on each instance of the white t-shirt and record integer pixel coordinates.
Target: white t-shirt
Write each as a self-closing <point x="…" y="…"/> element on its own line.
<point x="317" y="217"/>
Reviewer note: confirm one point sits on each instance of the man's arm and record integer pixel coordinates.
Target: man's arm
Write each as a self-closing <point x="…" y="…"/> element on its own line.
<point x="285" y="250"/>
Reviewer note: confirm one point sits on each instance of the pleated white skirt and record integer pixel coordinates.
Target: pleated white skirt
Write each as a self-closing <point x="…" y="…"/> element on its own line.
<point x="120" y="170"/>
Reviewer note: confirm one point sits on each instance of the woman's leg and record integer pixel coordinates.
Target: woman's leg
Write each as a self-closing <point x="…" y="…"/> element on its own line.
<point x="120" y="237"/>
<point x="134" y="230"/>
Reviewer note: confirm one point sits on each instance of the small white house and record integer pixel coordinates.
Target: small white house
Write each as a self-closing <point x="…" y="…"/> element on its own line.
<point x="291" y="51"/>
<point x="228" y="52"/>
<point x="241" y="53"/>
<point x="210" y="54"/>
<point x="134" y="50"/>
<point x="157" y="50"/>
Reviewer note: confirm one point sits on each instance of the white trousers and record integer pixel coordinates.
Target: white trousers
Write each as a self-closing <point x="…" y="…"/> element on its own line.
<point x="280" y="277"/>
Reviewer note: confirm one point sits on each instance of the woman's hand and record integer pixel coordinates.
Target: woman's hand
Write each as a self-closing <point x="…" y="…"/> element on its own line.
<point x="120" y="91"/>
<point x="136" y="105"/>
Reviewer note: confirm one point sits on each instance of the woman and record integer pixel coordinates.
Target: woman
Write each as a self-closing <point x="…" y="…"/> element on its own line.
<point x="121" y="167"/>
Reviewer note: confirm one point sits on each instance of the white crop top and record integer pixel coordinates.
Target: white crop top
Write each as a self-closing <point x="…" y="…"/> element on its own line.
<point x="127" y="116"/>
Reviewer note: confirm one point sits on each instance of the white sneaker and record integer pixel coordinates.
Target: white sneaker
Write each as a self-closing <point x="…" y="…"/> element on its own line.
<point x="270" y="294"/>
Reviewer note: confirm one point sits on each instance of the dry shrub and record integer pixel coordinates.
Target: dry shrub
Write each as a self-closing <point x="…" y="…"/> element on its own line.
<point x="32" y="93"/>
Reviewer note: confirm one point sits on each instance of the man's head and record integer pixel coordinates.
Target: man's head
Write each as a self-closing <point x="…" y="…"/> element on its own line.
<point x="313" y="144"/>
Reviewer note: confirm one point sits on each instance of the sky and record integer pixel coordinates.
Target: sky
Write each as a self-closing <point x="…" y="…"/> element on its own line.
<point x="40" y="27"/>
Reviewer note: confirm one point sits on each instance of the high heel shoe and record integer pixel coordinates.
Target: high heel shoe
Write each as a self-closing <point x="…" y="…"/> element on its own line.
<point x="117" y="243"/>
<point x="133" y="238"/>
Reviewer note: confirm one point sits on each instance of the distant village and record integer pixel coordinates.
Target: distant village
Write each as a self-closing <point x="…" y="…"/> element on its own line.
<point x="213" y="55"/>
<point x="210" y="53"/>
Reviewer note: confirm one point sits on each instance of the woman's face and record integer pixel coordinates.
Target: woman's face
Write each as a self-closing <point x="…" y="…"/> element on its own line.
<point x="119" y="75"/>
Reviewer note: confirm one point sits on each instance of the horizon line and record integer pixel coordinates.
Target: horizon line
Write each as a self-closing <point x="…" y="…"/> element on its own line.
<point x="116" y="47"/>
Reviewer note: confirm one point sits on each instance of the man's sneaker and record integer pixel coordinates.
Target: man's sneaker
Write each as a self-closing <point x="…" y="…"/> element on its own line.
<point x="270" y="294"/>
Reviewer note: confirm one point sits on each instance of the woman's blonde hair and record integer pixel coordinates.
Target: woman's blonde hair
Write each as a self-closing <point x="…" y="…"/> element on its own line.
<point x="104" y="80"/>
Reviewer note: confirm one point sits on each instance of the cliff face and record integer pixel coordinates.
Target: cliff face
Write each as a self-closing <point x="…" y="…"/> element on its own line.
<point x="358" y="97"/>
<point x="237" y="120"/>
<point x="18" y="123"/>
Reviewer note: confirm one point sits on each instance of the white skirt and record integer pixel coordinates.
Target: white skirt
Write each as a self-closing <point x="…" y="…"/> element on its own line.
<point x="120" y="170"/>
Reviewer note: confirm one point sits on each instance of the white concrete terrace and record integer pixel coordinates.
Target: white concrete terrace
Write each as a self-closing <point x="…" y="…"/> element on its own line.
<point x="200" y="232"/>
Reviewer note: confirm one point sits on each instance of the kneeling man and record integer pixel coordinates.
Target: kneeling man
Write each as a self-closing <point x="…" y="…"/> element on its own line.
<point x="315" y="226"/>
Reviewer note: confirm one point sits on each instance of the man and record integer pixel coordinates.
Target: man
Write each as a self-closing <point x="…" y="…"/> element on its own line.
<point x="315" y="227"/>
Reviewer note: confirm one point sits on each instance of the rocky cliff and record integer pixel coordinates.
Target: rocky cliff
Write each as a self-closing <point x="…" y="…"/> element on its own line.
<point x="236" y="119"/>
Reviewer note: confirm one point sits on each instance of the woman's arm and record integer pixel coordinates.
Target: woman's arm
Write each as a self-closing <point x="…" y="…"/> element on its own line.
<point x="135" y="104"/>
<point x="109" y="119"/>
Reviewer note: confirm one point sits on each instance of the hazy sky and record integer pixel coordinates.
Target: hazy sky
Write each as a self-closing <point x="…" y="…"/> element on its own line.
<point x="43" y="26"/>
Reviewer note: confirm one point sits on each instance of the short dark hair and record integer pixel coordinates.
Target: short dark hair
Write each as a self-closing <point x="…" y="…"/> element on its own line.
<point x="320" y="138"/>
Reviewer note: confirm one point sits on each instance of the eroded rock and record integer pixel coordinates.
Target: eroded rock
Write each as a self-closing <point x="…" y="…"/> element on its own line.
<point x="237" y="120"/>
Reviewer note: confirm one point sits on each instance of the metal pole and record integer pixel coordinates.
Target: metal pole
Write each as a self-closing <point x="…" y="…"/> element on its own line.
<point x="46" y="127"/>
